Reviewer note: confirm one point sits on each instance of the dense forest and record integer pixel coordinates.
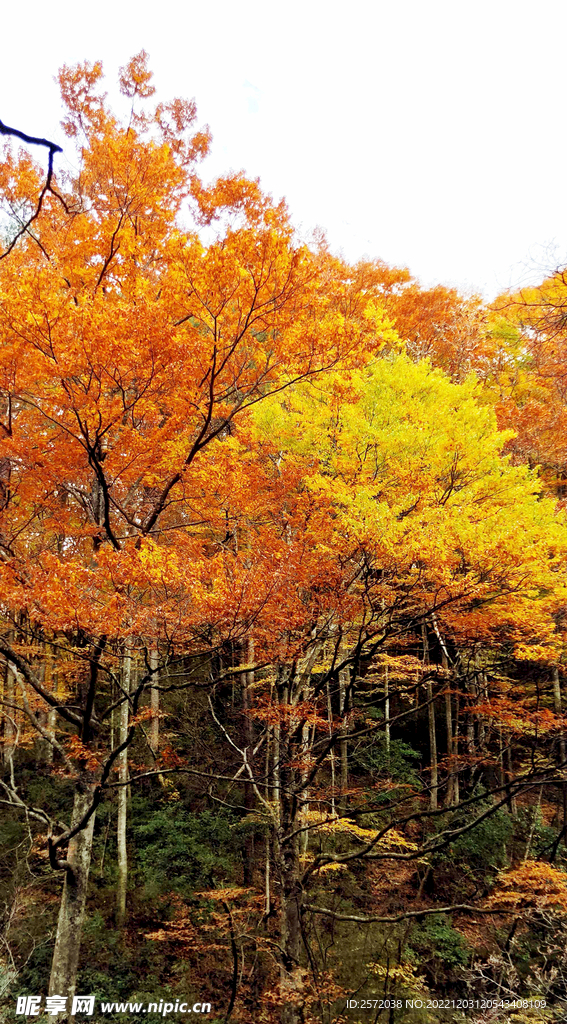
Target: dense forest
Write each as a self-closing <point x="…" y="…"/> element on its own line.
<point x="283" y="577"/>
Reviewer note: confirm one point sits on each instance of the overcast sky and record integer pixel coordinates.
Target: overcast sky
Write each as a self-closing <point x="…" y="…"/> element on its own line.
<point x="430" y="133"/>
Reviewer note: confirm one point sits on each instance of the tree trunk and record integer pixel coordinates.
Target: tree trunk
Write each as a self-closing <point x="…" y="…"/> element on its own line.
<point x="562" y="747"/>
<point x="10" y="729"/>
<point x="122" y="879"/>
<point x="509" y="771"/>
<point x="387" y="714"/>
<point x="291" y="976"/>
<point x="249" y="798"/>
<point x="432" y="747"/>
<point x="536" y="811"/>
<point x="481" y="691"/>
<point x="306" y="744"/>
<point x="501" y="774"/>
<point x="450" y="799"/>
<point x="456" y="743"/>
<point x="287" y="865"/>
<point x="472" y="697"/>
<point x="154" y="703"/>
<point x="332" y="754"/>
<point x="51" y="670"/>
<point x="344" y="679"/>
<point x="433" y="798"/>
<point x="291" y="986"/>
<point x="69" y="926"/>
<point x="42" y="745"/>
<point x="268" y="795"/>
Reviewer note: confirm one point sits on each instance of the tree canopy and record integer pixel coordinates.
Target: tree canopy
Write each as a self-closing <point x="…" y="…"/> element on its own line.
<point x="283" y="585"/>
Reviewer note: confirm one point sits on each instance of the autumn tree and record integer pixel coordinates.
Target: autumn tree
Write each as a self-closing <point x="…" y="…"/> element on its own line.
<point x="220" y="473"/>
<point x="395" y="524"/>
<point x="130" y="348"/>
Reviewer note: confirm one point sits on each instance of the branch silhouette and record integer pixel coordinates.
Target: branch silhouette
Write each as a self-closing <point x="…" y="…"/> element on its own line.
<point x="53" y="148"/>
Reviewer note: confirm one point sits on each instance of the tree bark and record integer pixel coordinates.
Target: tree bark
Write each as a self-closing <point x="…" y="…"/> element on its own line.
<point x="10" y="731"/>
<point x="249" y="798"/>
<point x="154" y="703"/>
<point x="432" y="747"/>
<point x="332" y="754"/>
<point x="291" y="976"/>
<point x="501" y="773"/>
<point x="562" y="746"/>
<point x="305" y="760"/>
<point x="509" y="773"/>
<point x="387" y="714"/>
<point x="451" y="798"/>
<point x="51" y="672"/>
<point x="344" y="679"/>
<point x="456" y="742"/>
<point x="65" y="962"/>
<point x="433" y="764"/>
<point x="286" y="852"/>
<point x="122" y="879"/>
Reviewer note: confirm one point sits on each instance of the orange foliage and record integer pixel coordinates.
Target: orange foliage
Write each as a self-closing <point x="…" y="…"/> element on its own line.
<point x="534" y="884"/>
<point x="130" y="349"/>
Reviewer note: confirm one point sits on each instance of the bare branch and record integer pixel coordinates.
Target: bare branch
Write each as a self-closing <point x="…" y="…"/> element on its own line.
<point x="53" y="148"/>
<point x="463" y="908"/>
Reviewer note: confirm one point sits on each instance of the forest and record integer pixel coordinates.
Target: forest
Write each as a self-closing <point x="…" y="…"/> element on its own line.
<point x="283" y="587"/>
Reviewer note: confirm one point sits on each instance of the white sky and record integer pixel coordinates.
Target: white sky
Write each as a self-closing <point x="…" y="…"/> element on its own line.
<point x="430" y="133"/>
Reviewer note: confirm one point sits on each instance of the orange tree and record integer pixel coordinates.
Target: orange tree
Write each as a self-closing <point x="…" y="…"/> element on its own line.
<point x="130" y="348"/>
<point x="528" y="374"/>
<point x="150" y="510"/>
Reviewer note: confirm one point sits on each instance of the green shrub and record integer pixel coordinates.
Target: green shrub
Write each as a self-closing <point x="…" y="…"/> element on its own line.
<point x="484" y="845"/>
<point x="179" y="851"/>
<point x="438" y="949"/>
<point x="395" y="764"/>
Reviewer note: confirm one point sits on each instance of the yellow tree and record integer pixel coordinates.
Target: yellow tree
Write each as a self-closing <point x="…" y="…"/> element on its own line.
<point x="388" y="508"/>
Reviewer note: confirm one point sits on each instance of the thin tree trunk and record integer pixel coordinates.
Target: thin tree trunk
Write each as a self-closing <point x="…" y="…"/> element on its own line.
<point x="114" y="697"/>
<point x="455" y="748"/>
<point x="43" y="746"/>
<point x="292" y="975"/>
<point x="450" y="797"/>
<point x="332" y="754"/>
<point x="122" y="878"/>
<point x="562" y="746"/>
<point x="304" y="814"/>
<point x="291" y="985"/>
<point x="558" y="711"/>
<point x="276" y="771"/>
<point x="276" y="794"/>
<point x="52" y="669"/>
<point x="387" y="714"/>
<point x="480" y="687"/>
<point x="291" y="978"/>
<point x="535" y="812"/>
<point x="433" y="798"/>
<point x="249" y="799"/>
<point x="509" y="772"/>
<point x="501" y="774"/>
<point x="432" y="747"/>
<point x="472" y="699"/>
<point x="71" y="913"/>
<point x="10" y="730"/>
<point x="154" y="702"/>
<point x="268" y="797"/>
<point x="344" y="675"/>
